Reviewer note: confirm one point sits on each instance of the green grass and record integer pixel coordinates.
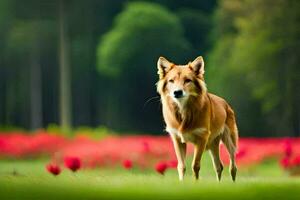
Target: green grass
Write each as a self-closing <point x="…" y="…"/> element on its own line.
<point x="29" y="180"/>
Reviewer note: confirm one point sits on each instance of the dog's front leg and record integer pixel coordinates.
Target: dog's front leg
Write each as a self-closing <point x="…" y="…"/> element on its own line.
<point x="180" y="150"/>
<point x="199" y="148"/>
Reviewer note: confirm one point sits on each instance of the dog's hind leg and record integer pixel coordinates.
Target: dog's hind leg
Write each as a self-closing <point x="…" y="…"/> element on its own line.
<point x="215" y="156"/>
<point x="230" y="139"/>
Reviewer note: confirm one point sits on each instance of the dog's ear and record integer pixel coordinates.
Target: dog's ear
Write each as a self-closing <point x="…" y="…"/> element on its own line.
<point x="163" y="66"/>
<point x="198" y="65"/>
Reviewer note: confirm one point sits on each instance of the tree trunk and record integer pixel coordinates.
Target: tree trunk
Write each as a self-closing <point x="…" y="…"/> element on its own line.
<point x="292" y="96"/>
<point x="2" y="90"/>
<point x="64" y="66"/>
<point x="296" y="107"/>
<point x="36" y="117"/>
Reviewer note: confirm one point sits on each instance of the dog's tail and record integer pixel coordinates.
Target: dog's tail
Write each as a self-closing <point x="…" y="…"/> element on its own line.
<point x="230" y="134"/>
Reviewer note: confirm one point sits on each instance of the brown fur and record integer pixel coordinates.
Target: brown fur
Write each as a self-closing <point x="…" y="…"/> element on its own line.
<point x="200" y="117"/>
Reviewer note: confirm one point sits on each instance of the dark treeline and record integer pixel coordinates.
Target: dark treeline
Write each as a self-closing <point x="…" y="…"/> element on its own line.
<point x="90" y="63"/>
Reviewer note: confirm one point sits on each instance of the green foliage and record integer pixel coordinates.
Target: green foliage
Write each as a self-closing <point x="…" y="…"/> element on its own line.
<point x="9" y="128"/>
<point x="136" y="35"/>
<point x="98" y="132"/>
<point x="56" y="129"/>
<point x="5" y="15"/>
<point x="141" y="33"/>
<point x="197" y="26"/>
<point x="27" y="37"/>
<point x="253" y="60"/>
<point x="258" y="48"/>
<point x="127" y="57"/>
<point x="95" y="133"/>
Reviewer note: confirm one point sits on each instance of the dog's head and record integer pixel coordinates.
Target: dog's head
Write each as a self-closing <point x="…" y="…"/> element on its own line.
<point x="181" y="82"/>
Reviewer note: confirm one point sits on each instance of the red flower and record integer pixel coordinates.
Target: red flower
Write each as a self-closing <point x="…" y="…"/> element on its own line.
<point x="53" y="169"/>
<point x="161" y="167"/>
<point x="172" y="164"/>
<point x="241" y="153"/>
<point x="296" y="161"/>
<point x="288" y="148"/>
<point x="73" y="163"/>
<point x="285" y="162"/>
<point x="146" y="147"/>
<point x="127" y="164"/>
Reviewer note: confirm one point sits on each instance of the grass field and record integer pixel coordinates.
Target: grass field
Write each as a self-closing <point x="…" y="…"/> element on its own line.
<point x="28" y="179"/>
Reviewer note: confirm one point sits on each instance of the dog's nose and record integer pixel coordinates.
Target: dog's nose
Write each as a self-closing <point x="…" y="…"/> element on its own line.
<point x="178" y="94"/>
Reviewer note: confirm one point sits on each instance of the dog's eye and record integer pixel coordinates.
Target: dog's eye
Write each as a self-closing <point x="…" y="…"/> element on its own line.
<point x="171" y="81"/>
<point x="187" y="80"/>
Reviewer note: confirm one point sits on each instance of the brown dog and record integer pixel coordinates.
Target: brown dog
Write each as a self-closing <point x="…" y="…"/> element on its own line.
<point x="193" y="115"/>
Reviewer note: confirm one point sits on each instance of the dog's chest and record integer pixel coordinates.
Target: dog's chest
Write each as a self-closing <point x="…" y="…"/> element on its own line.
<point x="189" y="136"/>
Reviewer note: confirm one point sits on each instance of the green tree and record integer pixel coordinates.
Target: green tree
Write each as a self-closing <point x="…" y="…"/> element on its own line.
<point x="64" y="67"/>
<point x="127" y="55"/>
<point x="259" y="51"/>
<point x="26" y="41"/>
<point x="5" y="18"/>
<point x="30" y="60"/>
<point x="197" y="27"/>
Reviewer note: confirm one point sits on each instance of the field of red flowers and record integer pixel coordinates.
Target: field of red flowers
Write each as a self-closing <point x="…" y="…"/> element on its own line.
<point x="136" y="151"/>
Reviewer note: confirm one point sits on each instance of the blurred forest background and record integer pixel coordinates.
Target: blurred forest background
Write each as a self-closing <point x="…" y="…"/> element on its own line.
<point x="93" y="63"/>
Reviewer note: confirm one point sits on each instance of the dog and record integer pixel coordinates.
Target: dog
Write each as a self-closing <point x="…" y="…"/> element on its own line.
<point x="192" y="114"/>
